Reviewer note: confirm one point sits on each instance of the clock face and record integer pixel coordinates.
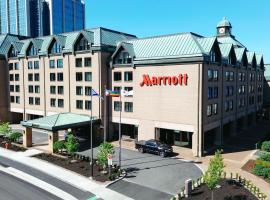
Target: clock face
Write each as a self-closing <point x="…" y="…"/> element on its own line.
<point x="222" y="30"/>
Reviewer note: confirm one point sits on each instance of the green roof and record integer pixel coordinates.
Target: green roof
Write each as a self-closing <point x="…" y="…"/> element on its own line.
<point x="225" y="49"/>
<point x="224" y="23"/>
<point x="250" y="56"/>
<point x="59" y="121"/>
<point x="267" y="72"/>
<point x="239" y="52"/>
<point x="230" y="40"/>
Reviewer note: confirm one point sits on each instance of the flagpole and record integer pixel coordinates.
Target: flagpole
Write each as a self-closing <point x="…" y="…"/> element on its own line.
<point x="91" y="137"/>
<point x="105" y="115"/>
<point x="120" y="136"/>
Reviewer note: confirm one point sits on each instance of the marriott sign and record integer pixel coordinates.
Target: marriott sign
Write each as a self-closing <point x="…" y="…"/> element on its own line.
<point x="181" y="79"/>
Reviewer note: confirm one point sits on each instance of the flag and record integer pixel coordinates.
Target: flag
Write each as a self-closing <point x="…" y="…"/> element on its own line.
<point x="112" y="93"/>
<point x="126" y="93"/>
<point x="94" y="93"/>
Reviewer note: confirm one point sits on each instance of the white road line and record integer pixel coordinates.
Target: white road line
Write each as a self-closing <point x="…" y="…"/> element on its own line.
<point x="38" y="183"/>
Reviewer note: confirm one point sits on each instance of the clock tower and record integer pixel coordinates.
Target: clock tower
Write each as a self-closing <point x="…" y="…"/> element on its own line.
<point x="224" y="28"/>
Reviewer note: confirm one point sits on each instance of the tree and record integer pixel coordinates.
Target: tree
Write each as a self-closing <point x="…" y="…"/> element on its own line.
<point x="213" y="174"/>
<point x="59" y="146"/>
<point x="103" y="150"/>
<point x="72" y="144"/>
<point x="5" y="129"/>
<point x="14" y="136"/>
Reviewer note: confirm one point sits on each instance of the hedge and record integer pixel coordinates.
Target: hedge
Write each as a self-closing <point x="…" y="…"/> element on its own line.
<point x="266" y="146"/>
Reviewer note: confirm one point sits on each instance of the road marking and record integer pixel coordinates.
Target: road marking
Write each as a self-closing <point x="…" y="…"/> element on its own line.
<point x="38" y="183"/>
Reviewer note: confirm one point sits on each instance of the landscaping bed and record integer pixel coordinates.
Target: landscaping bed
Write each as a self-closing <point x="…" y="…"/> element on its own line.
<point x="80" y="166"/>
<point x="11" y="146"/>
<point x="229" y="190"/>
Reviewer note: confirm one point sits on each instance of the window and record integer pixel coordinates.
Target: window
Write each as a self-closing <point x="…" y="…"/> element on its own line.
<point x="36" y="64"/>
<point x="11" y="77"/>
<point x="52" y="76"/>
<point x="32" y="51"/>
<point x="53" y="102"/>
<point x="128" y="88"/>
<point x="78" y="62"/>
<point x="209" y="110"/>
<point x="36" y="77"/>
<point x="215" y="109"/>
<point x="17" y="88"/>
<point x="227" y="76"/>
<point x="88" y="76"/>
<point x="37" y="101"/>
<point x="226" y="106"/>
<point x="17" y="77"/>
<point x="30" y="65"/>
<point x="117" y="76"/>
<point x="212" y="56"/>
<point x="210" y="75"/>
<point x="11" y="88"/>
<point x="10" y="66"/>
<point x="128" y="107"/>
<point x="60" y="77"/>
<point x="31" y="101"/>
<point x="82" y="45"/>
<point x="17" y="100"/>
<point x="79" y="90"/>
<point x="88" y="91"/>
<point x="123" y="58"/>
<point x="60" y="89"/>
<point x="215" y="92"/>
<point x="215" y="75"/>
<point x="13" y="53"/>
<point x="30" y="88"/>
<point x="56" y="48"/>
<point x="79" y="104"/>
<point x="52" y="64"/>
<point x="231" y="76"/>
<point x="128" y="76"/>
<point x="60" y="63"/>
<point x="117" y="89"/>
<point x="117" y="105"/>
<point x="231" y="104"/>
<point x="12" y="99"/>
<point x="16" y="66"/>
<point x="88" y="105"/>
<point x="61" y="103"/>
<point x="79" y="76"/>
<point x="52" y="89"/>
<point x="87" y="62"/>
<point x="37" y="89"/>
<point x="210" y="93"/>
<point x="30" y="77"/>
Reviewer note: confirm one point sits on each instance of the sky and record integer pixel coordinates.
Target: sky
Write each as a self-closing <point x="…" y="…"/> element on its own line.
<point x="250" y="18"/>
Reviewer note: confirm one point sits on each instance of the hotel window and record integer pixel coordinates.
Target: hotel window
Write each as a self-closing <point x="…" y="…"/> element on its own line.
<point x="16" y="66"/>
<point x="36" y="77"/>
<point x="32" y="51"/>
<point x="79" y="90"/>
<point x="128" y="76"/>
<point x="209" y="110"/>
<point x="123" y="58"/>
<point x="215" y="75"/>
<point x="37" y="101"/>
<point x="210" y="92"/>
<point x="30" y="77"/>
<point x="36" y="64"/>
<point x="215" y="108"/>
<point x="212" y="56"/>
<point x="79" y="76"/>
<point x="60" y="77"/>
<point x="78" y="62"/>
<point x="11" y="88"/>
<point x="88" y="91"/>
<point x="17" y="99"/>
<point x="117" y="89"/>
<point x="56" y="48"/>
<point x="30" y="88"/>
<point x="52" y="64"/>
<point x="17" y="88"/>
<point x="231" y="76"/>
<point x="37" y="89"/>
<point x="82" y="45"/>
<point x="128" y="107"/>
<point x="226" y="106"/>
<point x="53" y="102"/>
<point x="117" y="105"/>
<point x="231" y="104"/>
<point x="79" y="104"/>
<point x="210" y="75"/>
<point x="60" y="89"/>
<point x="60" y="63"/>
<point x="31" y="101"/>
<point x="10" y="66"/>
<point x="17" y="77"/>
<point x="30" y="65"/>
<point x="13" y="52"/>
<point x="61" y="103"/>
<point x="87" y="62"/>
<point x="52" y="76"/>
<point x="215" y="92"/>
<point x="11" y="77"/>
<point x="227" y="76"/>
<point x="52" y="89"/>
<point x="88" y="105"/>
<point x="12" y="99"/>
<point x="117" y="76"/>
<point x="88" y="76"/>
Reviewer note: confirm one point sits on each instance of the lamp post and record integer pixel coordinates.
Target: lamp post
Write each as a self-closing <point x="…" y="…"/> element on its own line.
<point x="91" y="138"/>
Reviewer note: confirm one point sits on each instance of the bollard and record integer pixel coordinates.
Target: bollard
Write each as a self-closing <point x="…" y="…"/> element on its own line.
<point x="188" y="187"/>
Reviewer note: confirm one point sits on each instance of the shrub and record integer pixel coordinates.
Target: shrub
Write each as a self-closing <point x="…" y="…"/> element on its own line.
<point x="14" y="136"/>
<point x="258" y="170"/>
<point x="266" y="146"/>
<point x="72" y="144"/>
<point x="5" y="129"/>
<point x="59" y="145"/>
<point x="263" y="163"/>
<point x="103" y="151"/>
<point x="265" y="156"/>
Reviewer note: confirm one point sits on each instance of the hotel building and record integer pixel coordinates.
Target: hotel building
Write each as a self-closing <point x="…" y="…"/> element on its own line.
<point x="189" y="90"/>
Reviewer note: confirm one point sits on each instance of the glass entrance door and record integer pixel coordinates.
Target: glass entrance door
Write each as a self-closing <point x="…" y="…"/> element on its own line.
<point x="183" y="139"/>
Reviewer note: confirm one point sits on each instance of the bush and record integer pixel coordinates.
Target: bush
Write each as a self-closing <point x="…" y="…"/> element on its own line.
<point x="59" y="145"/>
<point x="266" y="146"/>
<point x="103" y="151"/>
<point x="72" y="144"/>
<point x="263" y="163"/>
<point x="5" y="129"/>
<point x="14" y="136"/>
<point x="265" y="156"/>
<point x="260" y="170"/>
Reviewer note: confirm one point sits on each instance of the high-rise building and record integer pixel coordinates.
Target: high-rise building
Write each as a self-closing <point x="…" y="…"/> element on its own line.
<point x="36" y="18"/>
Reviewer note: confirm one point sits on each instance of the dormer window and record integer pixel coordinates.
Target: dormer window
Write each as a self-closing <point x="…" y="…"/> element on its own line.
<point x="56" y="48"/>
<point x="123" y="58"/>
<point x="82" y="44"/>
<point x="13" y="53"/>
<point x="229" y="60"/>
<point x="32" y="51"/>
<point x="212" y="56"/>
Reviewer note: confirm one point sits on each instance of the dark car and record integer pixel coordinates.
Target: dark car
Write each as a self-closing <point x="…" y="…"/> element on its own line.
<point x="154" y="147"/>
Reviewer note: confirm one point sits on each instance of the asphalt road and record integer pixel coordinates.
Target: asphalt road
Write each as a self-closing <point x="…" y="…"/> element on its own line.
<point x="12" y="188"/>
<point x="38" y="137"/>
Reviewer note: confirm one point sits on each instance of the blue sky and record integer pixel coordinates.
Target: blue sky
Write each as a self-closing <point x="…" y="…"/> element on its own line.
<point x="250" y="18"/>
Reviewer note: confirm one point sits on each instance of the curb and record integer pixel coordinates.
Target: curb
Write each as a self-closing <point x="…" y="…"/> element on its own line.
<point x="122" y="176"/>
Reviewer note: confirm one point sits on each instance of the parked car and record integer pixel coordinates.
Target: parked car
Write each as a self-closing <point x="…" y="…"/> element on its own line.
<point x="154" y="147"/>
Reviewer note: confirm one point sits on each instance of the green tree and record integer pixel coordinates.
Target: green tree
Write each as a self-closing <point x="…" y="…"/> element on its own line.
<point x="5" y="129"/>
<point x="213" y="174"/>
<point x="59" y="146"/>
<point x="72" y="144"/>
<point x="103" y="150"/>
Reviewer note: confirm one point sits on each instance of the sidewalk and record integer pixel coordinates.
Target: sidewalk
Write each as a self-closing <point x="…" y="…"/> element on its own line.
<point x="62" y="174"/>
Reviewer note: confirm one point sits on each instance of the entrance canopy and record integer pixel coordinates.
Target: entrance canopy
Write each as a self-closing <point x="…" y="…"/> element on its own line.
<point x="59" y="121"/>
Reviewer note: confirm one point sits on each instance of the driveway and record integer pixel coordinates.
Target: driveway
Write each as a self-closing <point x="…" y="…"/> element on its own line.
<point x="150" y="176"/>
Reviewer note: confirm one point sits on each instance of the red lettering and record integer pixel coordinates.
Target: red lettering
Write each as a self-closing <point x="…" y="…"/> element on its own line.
<point x="159" y="80"/>
<point x="180" y="79"/>
<point x="175" y="80"/>
<point x="154" y="80"/>
<point x="146" y="81"/>
<point x="185" y="79"/>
